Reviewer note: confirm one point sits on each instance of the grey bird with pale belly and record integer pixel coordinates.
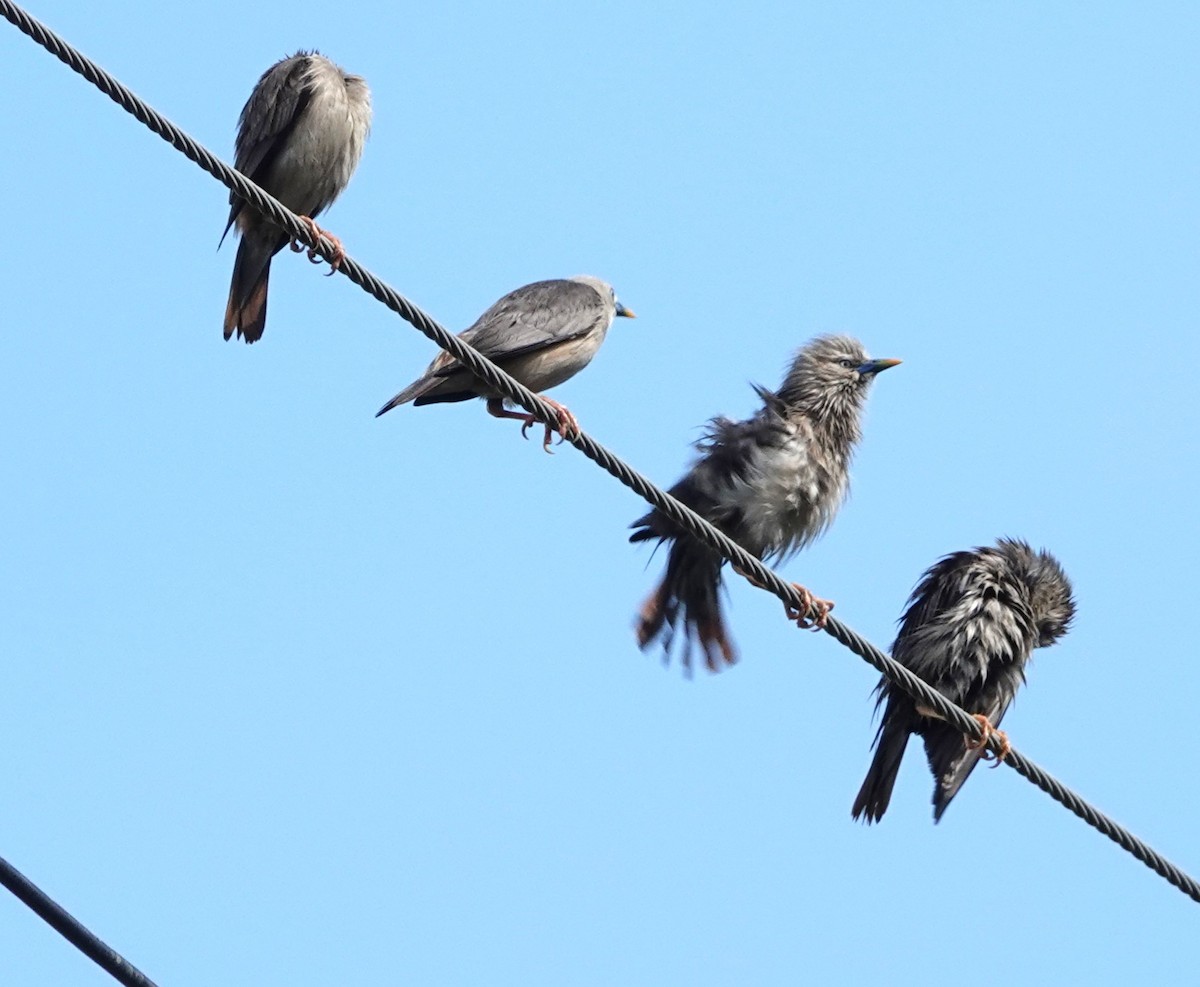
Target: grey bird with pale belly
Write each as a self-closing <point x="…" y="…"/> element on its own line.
<point x="970" y="627"/>
<point x="542" y="334"/>
<point x="773" y="483"/>
<point x="300" y="137"/>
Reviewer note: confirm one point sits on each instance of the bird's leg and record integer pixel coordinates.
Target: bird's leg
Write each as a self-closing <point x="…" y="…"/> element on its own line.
<point x="566" y="423"/>
<point x="339" y="252"/>
<point x="986" y="726"/>
<point x="1005" y="747"/>
<point x="809" y="604"/>
<point x="988" y="732"/>
<point x="496" y="409"/>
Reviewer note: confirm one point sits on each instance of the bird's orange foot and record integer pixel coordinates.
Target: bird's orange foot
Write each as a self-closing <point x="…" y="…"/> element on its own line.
<point x="989" y="731"/>
<point x="567" y="424"/>
<point x="1005" y="748"/>
<point x="986" y="726"/>
<point x="1000" y="735"/>
<point x="812" y="613"/>
<point x="339" y="252"/>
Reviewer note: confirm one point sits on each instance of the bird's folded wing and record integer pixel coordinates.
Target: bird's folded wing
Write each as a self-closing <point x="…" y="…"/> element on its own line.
<point x="533" y="318"/>
<point x="267" y="121"/>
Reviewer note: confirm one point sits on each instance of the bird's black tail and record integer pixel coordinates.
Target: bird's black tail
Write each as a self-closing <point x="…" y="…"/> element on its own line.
<point x="951" y="760"/>
<point x="246" y="310"/>
<point x="689" y="599"/>
<point x="876" y="791"/>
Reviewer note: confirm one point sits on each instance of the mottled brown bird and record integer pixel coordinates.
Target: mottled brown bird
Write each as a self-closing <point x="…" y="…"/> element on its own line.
<point x="970" y="627"/>
<point x="300" y="137"/>
<point x="773" y="483"/>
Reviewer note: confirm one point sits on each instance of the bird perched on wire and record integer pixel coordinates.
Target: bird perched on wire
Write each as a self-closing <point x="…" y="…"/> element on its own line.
<point x="773" y="483"/>
<point x="300" y="137"/>
<point x="970" y="627"/>
<point x="542" y="334"/>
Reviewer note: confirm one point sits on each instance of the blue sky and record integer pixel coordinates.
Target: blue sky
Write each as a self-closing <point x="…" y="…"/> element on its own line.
<point x="291" y="695"/>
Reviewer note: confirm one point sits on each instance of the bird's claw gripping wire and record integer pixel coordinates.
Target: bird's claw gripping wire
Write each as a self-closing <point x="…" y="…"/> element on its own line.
<point x="567" y="424"/>
<point x="812" y="613"/>
<point x="989" y="731"/>
<point x="339" y="252"/>
<point x="809" y="604"/>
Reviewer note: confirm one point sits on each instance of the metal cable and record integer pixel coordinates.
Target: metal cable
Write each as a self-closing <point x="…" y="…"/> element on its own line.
<point x="961" y="720"/>
<point x="751" y="567"/>
<point x="107" y="958"/>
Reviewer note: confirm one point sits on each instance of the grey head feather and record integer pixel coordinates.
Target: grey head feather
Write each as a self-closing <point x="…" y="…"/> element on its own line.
<point x="825" y="384"/>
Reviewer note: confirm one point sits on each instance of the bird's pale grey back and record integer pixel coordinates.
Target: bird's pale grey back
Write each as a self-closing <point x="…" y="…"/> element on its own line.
<point x="542" y="333"/>
<point x="302" y="132"/>
<point x="544" y="313"/>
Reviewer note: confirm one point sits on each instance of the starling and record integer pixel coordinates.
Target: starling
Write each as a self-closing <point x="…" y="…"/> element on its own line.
<point x="542" y="334"/>
<point x="970" y="627"/>
<point x="772" y="483"/>
<point x="300" y="137"/>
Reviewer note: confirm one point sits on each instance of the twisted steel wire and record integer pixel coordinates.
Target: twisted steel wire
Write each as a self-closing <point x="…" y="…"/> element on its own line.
<point x="750" y="566"/>
<point x="69" y="927"/>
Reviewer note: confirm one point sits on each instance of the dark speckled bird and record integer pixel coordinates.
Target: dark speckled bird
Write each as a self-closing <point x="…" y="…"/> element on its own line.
<point x="970" y="627"/>
<point x="773" y="483"/>
<point x="300" y="137"/>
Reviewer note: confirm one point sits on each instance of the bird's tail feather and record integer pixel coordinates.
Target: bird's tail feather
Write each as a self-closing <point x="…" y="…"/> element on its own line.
<point x="688" y="599"/>
<point x="951" y="762"/>
<point x="246" y="310"/>
<point x="413" y="391"/>
<point x="876" y="791"/>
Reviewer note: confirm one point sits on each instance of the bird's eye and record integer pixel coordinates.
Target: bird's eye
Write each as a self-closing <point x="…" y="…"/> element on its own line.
<point x="848" y="364"/>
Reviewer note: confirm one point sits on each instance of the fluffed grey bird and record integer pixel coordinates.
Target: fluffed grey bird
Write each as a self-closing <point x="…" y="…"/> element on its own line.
<point x="773" y="483"/>
<point x="300" y="136"/>
<point x="542" y="334"/>
<point x="970" y="627"/>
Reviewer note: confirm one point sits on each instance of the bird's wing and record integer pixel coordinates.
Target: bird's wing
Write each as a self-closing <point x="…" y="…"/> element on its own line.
<point x="535" y="317"/>
<point x="267" y="121"/>
<point x="728" y="453"/>
<point x="934" y="596"/>
<point x="729" y="449"/>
